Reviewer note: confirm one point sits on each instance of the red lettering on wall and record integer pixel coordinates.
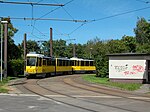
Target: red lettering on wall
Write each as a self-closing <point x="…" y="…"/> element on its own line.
<point x="135" y="70"/>
<point x="129" y="73"/>
<point x="138" y="68"/>
<point x="126" y="72"/>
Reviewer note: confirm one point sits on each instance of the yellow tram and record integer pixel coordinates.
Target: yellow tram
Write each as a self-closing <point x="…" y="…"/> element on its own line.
<point x="38" y="64"/>
<point x="82" y="65"/>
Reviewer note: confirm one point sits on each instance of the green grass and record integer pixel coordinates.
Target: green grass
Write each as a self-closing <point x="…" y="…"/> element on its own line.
<point x="3" y="84"/>
<point x="105" y="81"/>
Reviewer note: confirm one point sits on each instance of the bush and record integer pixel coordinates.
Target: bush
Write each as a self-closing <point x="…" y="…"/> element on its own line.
<point x="101" y="67"/>
<point x="15" y="67"/>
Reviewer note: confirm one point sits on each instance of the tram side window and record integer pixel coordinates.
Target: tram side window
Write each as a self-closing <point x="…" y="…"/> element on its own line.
<point x="59" y="62"/>
<point x="40" y="61"/>
<point x="91" y="63"/>
<point x="31" y="61"/>
<point x="48" y="62"/>
<point x="37" y="62"/>
<point x="87" y="63"/>
<point x="77" y="63"/>
<point x="82" y="63"/>
<point x="69" y="62"/>
<point x="72" y="63"/>
<point x="53" y="62"/>
<point x="64" y="62"/>
<point x="44" y="61"/>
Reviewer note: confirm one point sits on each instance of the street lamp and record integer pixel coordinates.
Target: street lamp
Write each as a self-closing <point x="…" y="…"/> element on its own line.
<point x="2" y="22"/>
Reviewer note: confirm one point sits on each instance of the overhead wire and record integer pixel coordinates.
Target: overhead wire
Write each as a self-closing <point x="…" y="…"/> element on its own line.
<point x="66" y="11"/>
<point x="60" y="33"/>
<point x="39" y="31"/>
<point x="46" y="19"/>
<point x="94" y="20"/>
<point x="30" y="3"/>
<point x="55" y="9"/>
<point x="52" y="11"/>
<point x="40" y="1"/>
<point x="36" y="36"/>
<point x="119" y="14"/>
<point x="103" y="18"/>
<point x="147" y="2"/>
<point x="77" y="28"/>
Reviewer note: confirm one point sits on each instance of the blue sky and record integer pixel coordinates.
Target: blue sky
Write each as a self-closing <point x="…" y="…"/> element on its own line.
<point x="105" y="29"/>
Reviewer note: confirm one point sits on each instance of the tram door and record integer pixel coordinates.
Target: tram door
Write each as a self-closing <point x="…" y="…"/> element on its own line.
<point x="148" y="71"/>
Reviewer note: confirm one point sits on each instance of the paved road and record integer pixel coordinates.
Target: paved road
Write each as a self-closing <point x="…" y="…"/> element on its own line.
<point x="24" y="101"/>
<point x="32" y="103"/>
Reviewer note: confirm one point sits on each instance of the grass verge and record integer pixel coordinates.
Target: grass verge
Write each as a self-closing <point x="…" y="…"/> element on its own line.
<point x="105" y="81"/>
<point x="3" y="84"/>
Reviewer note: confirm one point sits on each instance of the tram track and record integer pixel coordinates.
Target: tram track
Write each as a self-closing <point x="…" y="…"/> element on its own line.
<point x="72" y="81"/>
<point x="85" y="100"/>
<point x="36" y="83"/>
<point x="55" y="100"/>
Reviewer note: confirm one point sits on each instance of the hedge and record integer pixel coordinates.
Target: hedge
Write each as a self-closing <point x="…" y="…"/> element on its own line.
<point x="15" y="67"/>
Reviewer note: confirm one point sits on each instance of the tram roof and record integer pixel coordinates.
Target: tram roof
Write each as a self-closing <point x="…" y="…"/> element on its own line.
<point x="75" y="58"/>
<point x="80" y="59"/>
<point x="36" y="55"/>
<point x="63" y="58"/>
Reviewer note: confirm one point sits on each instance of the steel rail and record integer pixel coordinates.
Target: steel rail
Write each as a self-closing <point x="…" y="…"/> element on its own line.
<point x="79" y="107"/>
<point x="99" y="88"/>
<point x="83" y="99"/>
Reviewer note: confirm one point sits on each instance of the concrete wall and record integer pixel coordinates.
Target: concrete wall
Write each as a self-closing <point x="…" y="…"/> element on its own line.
<point x="127" y="67"/>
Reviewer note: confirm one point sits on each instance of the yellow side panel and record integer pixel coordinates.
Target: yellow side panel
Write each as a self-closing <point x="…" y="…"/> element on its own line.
<point x="39" y="69"/>
<point x="76" y="67"/>
<point x="31" y="69"/>
<point x="48" y="69"/>
<point x="87" y="68"/>
<point x="63" y="68"/>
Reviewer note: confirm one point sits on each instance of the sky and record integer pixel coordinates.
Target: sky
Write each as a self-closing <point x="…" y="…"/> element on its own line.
<point x="107" y="19"/>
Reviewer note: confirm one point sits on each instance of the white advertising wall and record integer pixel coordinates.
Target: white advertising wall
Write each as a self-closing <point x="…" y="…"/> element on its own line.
<point x="127" y="69"/>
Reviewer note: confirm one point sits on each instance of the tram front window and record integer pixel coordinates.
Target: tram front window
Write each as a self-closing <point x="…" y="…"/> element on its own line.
<point x="31" y="61"/>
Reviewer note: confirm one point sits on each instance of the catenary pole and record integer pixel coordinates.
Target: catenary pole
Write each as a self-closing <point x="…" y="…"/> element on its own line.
<point x="5" y="49"/>
<point x="51" y="42"/>
<point x="25" y="38"/>
<point x="1" y="51"/>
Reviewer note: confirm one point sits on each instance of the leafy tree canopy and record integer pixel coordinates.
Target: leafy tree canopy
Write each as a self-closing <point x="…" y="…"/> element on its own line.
<point x="142" y="31"/>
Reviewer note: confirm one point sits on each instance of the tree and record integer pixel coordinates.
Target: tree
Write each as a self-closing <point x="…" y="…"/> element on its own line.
<point x="69" y="50"/>
<point x="31" y="46"/>
<point x="130" y="43"/>
<point x="59" y="47"/>
<point x="116" y="46"/>
<point x="99" y="51"/>
<point x="142" y="31"/>
<point x="10" y="44"/>
<point x="13" y="51"/>
<point x="80" y="51"/>
<point x="145" y="48"/>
